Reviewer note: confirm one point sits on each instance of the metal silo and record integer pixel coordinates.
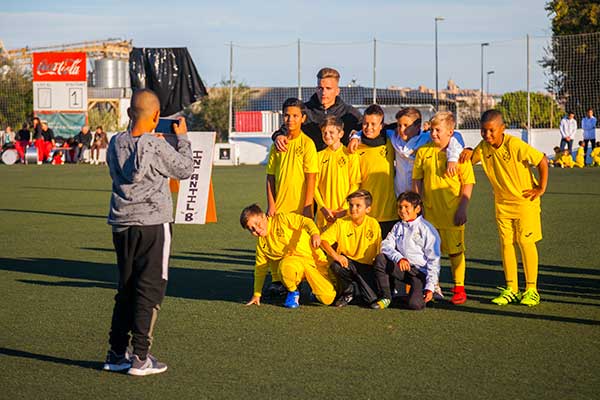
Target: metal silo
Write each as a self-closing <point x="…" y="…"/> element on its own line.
<point x="107" y="73"/>
<point x="124" y="79"/>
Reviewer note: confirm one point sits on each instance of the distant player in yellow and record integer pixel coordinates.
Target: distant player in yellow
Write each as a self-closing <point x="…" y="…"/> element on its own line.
<point x="292" y="241"/>
<point x="506" y="161"/>
<point x="565" y="160"/>
<point x="596" y="155"/>
<point x="338" y="176"/>
<point x="445" y="197"/>
<point x="376" y="155"/>
<point x="291" y="174"/>
<point x="580" y="156"/>
<point x="358" y="238"/>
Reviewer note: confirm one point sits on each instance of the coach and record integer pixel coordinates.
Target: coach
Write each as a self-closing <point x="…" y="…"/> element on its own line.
<point x="324" y="102"/>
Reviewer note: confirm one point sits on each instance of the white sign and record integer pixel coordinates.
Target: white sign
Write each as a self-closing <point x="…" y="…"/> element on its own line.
<point x="60" y="96"/>
<point x="192" y="200"/>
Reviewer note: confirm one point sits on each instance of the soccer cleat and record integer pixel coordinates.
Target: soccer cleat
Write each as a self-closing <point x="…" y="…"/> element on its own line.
<point x="507" y="296"/>
<point x="149" y="366"/>
<point x="344" y="300"/>
<point x="437" y="293"/>
<point x="292" y="300"/>
<point x="381" y="304"/>
<point x="117" y="362"/>
<point x="531" y="298"/>
<point x="459" y="296"/>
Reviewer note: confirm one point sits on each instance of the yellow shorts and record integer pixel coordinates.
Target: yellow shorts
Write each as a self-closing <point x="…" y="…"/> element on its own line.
<point x="453" y="241"/>
<point x="527" y="229"/>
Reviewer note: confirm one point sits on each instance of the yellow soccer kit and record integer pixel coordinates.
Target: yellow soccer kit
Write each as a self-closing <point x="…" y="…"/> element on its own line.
<point x="580" y="158"/>
<point x="338" y="176"/>
<point x="289" y="169"/>
<point x="596" y="156"/>
<point x="359" y="243"/>
<point x="566" y="161"/>
<point x="289" y="237"/>
<point x="441" y="193"/>
<point x="377" y="174"/>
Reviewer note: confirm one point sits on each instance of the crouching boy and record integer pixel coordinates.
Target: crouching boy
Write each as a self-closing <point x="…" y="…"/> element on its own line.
<point x="358" y="237"/>
<point x="292" y="241"/>
<point x="411" y="254"/>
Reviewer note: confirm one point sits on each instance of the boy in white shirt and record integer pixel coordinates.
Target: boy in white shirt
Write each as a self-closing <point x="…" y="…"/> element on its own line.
<point x="568" y="127"/>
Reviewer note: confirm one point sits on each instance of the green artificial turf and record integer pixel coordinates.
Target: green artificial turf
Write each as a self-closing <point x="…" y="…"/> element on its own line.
<point x="57" y="280"/>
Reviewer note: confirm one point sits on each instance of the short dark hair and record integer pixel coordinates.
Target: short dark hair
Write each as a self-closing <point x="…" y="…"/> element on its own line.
<point x="99" y="127"/>
<point x="411" y="112"/>
<point x="293" y="102"/>
<point x="491" y="115"/>
<point x="375" y="109"/>
<point x="570" y="112"/>
<point x="361" y="194"/>
<point x="412" y="197"/>
<point x="251" y="210"/>
<point x="332" y="120"/>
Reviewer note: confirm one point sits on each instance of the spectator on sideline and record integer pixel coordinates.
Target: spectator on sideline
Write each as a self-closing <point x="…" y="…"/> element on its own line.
<point x="44" y="142"/>
<point x="84" y="142"/>
<point x="588" y="124"/>
<point x="324" y="102"/>
<point x="568" y="127"/>
<point x="100" y="142"/>
<point x="22" y="140"/>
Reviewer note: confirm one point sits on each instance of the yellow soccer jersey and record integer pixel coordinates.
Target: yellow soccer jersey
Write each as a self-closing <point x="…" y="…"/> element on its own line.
<point x="359" y="243"/>
<point x="596" y="156"/>
<point x="441" y="193"/>
<point x="508" y="169"/>
<point x="289" y="169"/>
<point x="580" y="158"/>
<point x="339" y="175"/>
<point x="288" y="235"/>
<point x="377" y="174"/>
<point x="566" y="161"/>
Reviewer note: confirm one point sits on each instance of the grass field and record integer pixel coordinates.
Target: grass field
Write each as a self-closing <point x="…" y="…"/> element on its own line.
<point x="57" y="279"/>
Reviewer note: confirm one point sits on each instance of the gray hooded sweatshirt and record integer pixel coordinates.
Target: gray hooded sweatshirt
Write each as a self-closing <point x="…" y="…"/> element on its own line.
<point x="140" y="167"/>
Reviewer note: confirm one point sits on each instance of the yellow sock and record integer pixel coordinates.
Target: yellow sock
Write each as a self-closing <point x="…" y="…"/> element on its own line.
<point x="458" y="266"/>
<point x="529" y="255"/>
<point x="509" y="263"/>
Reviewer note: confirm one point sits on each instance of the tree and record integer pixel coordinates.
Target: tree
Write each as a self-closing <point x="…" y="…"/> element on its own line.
<point x="212" y="112"/>
<point x="574" y="54"/>
<point x="16" y="94"/>
<point x="545" y="112"/>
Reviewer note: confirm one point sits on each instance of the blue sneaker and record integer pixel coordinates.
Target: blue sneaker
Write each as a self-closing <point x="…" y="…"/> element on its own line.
<point x="292" y="300"/>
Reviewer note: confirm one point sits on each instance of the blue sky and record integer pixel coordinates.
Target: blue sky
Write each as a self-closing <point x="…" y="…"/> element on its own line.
<point x="404" y="30"/>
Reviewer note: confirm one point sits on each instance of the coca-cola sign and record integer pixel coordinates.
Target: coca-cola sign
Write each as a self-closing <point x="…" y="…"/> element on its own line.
<point x="59" y="67"/>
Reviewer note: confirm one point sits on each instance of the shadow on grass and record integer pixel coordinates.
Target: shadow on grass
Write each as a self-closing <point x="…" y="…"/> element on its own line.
<point x="232" y="285"/>
<point x="53" y="213"/>
<point x="215" y="258"/>
<point x="542" y="267"/>
<point x="57" y="360"/>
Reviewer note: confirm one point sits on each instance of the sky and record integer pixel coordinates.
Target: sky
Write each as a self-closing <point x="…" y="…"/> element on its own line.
<point x="336" y="33"/>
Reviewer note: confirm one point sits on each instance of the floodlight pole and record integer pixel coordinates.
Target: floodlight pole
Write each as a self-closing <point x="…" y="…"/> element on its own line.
<point x="374" y="71"/>
<point x="299" y="84"/>
<point x="230" y="87"/>
<point x="528" y="92"/>
<point x="437" y="96"/>
<point x="481" y="91"/>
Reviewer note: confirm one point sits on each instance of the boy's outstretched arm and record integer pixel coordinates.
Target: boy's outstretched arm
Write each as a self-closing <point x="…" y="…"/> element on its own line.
<point x="460" y="218"/>
<point x="271" y="194"/>
<point x="309" y="197"/>
<point x="342" y="260"/>
<point x="417" y="186"/>
<point x="540" y="189"/>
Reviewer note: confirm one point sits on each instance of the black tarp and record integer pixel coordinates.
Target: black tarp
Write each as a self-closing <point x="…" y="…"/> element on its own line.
<point x="170" y="72"/>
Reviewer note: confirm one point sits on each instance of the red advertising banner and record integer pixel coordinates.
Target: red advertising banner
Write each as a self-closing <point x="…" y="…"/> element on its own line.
<point x="59" y="67"/>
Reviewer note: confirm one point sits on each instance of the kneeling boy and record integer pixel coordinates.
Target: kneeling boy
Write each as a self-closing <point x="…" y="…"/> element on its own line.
<point x="292" y="241"/>
<point x="358" y="237"/>
<point x="411" y="254"/>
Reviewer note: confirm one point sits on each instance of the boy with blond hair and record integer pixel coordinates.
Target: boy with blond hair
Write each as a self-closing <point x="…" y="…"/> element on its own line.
<point x="445" y="197"/>
<point x="290" y="243"/>
<point x="506" y="161"/>
<point x="358" y="237"/>
<point x="338" y="176"/>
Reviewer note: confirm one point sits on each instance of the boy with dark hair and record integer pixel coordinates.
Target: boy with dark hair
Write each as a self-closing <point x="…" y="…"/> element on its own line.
<point x="358" y="237"/>
<point x="445" y="197"/>
<point x="506" y="161"/>
<point x="411" y="254"/>
<point x="376" y="156"/>
<point x="290" y="243"/>
<point x="595" y="155"/>
<point x="141" y="213"/>
<point x="580" y="156"/>
<point x="339" y="174"/>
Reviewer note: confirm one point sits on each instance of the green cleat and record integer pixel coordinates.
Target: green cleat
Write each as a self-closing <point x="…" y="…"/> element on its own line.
<point x="381" y="304"/>
<point x="507" y="296"/>
<point x="531" y="298"/>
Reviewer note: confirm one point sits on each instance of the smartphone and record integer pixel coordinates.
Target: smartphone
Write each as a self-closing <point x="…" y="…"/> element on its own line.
<point x="165" y="125"/>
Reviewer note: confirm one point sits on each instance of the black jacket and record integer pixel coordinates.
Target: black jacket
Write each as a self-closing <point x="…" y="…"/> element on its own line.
<point x="315" y="115"/>
<point x="23" y="134"/>
<point x="85" y="140"/>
